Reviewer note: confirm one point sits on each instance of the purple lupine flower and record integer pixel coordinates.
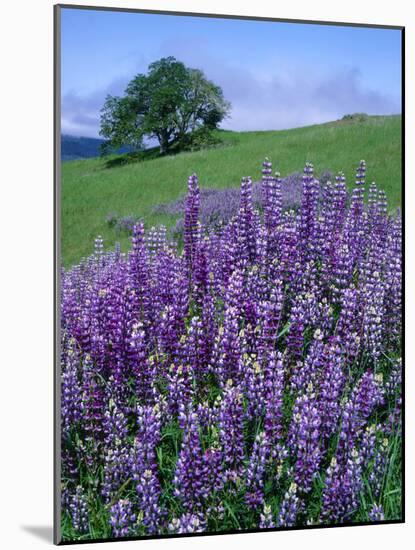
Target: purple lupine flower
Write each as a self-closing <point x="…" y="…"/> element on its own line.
<point x="367" y="444"/>
<point x="266" y="519"/>
<point x="65" y="498"/>
<point x="309" y="372"/>
<point x="289" y="508"/>
<point x="156" y="239"/>
<point x="354" y="231"/>
<point x="342" y="270"/>
<point x="190" y="473"/>
<point x="122" y="518"/>
<point x="381" y="222"/>
<point x="393" y="277"/>
<point x="270" y="313"/>
<point x="213" y="468"/>
<point x="191" y="351"/>
<point x="188" y="523"/>
<point x="246" y="223"/>
<point x="394" y="422"/>
<point x="148" y="437"/>
<point x="256" y="471"/>
<point x="332" y="494"/>
<point x="254" y="386"/>
<point x="379" y="468"/>
<point x="304" y="439"/>
<point x="289" y="244"/>
<point x="340" y="193"/>
<point x="327" y="231"/>
<point x="393" y="383"/>
<point x="227" y="349"/>
<point x="78" y="509"/>
<point x="376" y="513"/>
<point x="343" y="485"/>
<point x="266" y="176"/>
<point x="256" y="281"/>
<point x="139" y="363"/>
<point x="231" y="431"/>
<point x="148" y="491"/>
<point x="191" y="222"/>
<point x="235" y="291"/>
<point x="331" y="389"/>
<point x="200" y="270"/>
<point x="373" y="314"/>
<point x="99" y="250"/>
<point x="69" y="464"/>
<point x="144" y="467"/>
<point x="180" y="387"/>
<point x="93" y="408"/>
<point x="116" y="471"/>
<point x="350" y="319"/>
<point x="372" y="205"/>
<point x="272" y="200"/>
<point x="208" y="323"/>
<point x="295" y="337"/>
<point x="138" y="272"/>
<point x="308" y="213"/>
<point x="274" y="388"/>
<point x="71" y="397"/>
<point x="114" y="425"/>
<point x="365" y="396"/>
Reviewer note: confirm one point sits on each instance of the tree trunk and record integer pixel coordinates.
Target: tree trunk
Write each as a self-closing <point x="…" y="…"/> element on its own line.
<point x="164" y="143"/>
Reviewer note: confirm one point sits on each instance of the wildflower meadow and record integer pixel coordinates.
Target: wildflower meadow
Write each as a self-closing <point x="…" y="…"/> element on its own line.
<point x="245" y="378"/>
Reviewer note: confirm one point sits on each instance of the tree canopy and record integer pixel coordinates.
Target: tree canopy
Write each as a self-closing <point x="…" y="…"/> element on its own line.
<point x="167" y="103"/>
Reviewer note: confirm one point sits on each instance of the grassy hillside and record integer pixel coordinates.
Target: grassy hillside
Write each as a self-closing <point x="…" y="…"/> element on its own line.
<point x="91" y="190"/>
<point x="75" y="148"/>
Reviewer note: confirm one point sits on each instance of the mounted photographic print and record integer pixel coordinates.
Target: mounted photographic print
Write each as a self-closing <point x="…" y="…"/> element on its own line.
<point x="228" y="274"/>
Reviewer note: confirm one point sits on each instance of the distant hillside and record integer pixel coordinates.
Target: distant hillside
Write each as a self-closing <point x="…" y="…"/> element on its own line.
<point x="76" y="148"/>
<point x="91" y="190"/>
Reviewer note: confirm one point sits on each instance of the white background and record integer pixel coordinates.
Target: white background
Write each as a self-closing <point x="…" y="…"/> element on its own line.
<point x="26" y="300"/>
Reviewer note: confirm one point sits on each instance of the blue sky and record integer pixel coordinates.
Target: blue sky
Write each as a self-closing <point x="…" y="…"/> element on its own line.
<point x="276" y="75"/>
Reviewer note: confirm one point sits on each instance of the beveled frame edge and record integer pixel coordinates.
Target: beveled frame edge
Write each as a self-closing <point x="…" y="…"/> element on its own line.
<point x="56" y="271"/>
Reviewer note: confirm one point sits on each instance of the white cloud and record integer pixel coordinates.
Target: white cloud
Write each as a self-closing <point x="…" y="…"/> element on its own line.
<point x="266" y="100"/>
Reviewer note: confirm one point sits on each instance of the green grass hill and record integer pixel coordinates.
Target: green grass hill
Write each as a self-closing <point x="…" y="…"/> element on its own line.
<point x="91" y="189"/>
